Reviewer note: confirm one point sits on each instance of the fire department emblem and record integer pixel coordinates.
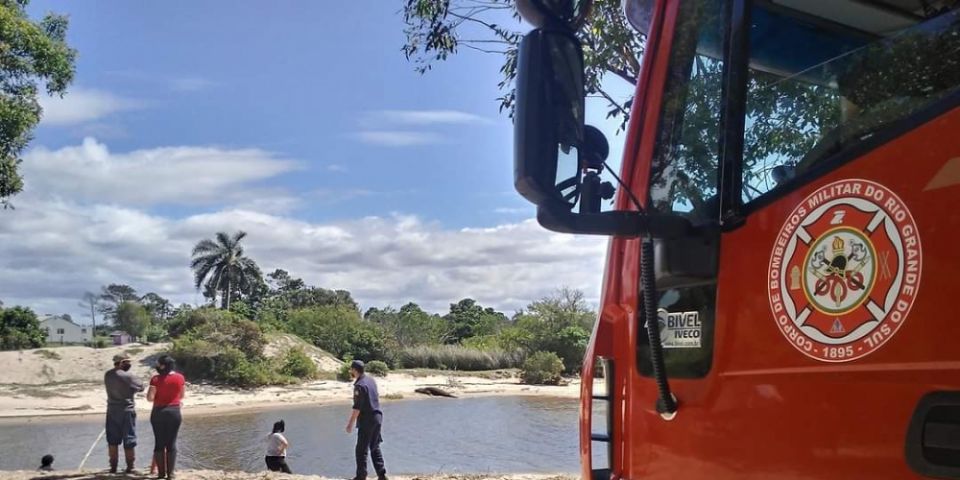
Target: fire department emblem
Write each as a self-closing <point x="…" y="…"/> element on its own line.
<point x="844" y="270"/>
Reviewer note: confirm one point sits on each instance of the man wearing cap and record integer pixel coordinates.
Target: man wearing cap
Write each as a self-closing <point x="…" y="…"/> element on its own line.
<point x="121" y="425"/>
<point x="368" y="417"/>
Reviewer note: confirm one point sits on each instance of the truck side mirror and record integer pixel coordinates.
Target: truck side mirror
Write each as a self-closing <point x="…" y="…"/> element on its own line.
<point x="549" y="118"/>
<point x="556" y="157"/>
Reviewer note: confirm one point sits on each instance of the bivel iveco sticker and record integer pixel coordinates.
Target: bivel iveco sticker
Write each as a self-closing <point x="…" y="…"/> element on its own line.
<point x="844" y="270"/>
<point x="679" y="329"/>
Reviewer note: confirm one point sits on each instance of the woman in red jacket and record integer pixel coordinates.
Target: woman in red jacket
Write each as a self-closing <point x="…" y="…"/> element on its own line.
<point x="166" y="391"/>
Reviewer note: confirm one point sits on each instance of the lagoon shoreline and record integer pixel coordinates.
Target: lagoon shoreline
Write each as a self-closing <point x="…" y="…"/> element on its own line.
<point x="90" y="401"/>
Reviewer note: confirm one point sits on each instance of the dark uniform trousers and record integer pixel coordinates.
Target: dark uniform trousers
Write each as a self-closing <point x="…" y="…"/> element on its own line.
<point x="369" y="438"/>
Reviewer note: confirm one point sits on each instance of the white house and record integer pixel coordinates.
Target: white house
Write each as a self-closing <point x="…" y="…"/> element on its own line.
<point x="61" y="330"/>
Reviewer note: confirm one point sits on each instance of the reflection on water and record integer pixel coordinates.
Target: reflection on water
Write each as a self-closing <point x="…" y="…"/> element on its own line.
<point x="477" y="435"/>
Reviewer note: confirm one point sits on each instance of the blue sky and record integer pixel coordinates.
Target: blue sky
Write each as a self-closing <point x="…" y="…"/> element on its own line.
<point x="284" y="120"/>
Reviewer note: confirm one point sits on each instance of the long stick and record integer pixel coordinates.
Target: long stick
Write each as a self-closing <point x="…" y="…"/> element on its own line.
<point x="95" y="442"/>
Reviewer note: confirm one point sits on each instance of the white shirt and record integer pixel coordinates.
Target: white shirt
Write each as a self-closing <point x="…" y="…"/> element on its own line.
<point x="275" y="445"/>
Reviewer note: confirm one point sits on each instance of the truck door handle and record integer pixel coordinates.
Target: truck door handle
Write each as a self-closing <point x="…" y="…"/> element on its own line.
<point x="933" y="437"/>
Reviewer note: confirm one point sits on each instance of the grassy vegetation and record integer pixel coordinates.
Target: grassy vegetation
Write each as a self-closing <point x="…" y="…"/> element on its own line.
<point x="457" y="357"/>
<point x="133" y="351"/>
<point x="47" y="354"/>
<point x="486" y="374"/>
<point x="393" y="396"/>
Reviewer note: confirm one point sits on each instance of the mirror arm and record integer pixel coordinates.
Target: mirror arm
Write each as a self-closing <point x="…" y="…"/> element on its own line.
<point x="619" y="223"/>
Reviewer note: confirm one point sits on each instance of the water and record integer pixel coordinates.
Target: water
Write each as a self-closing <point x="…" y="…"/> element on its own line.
<point x="475" y="435"/>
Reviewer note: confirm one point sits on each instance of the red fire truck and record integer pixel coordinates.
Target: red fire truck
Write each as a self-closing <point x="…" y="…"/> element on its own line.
<point x="776" y="297"/>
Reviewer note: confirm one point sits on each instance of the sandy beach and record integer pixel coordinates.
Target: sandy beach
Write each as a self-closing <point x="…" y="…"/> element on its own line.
<point x="68" y="381"/>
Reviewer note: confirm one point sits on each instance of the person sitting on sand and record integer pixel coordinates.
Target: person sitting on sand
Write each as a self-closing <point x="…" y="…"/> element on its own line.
<point x="277" y="449"/>
<point x="46" y="463"/>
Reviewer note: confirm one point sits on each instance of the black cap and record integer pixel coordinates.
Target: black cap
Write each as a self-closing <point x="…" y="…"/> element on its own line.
<point x="357" y="365"/>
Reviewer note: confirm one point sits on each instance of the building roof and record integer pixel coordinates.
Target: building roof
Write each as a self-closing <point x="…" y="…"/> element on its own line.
<point x="118" y="332"/>
<point x="47" y="318"/>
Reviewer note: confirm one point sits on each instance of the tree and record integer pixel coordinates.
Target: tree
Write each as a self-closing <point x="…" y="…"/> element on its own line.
<point x="435" y="29"/>
<point x="469" y="319"/>
<point x="222" y="265"/>
<point x="410" y="326"/>
<point x="32" y="52"/>
<point x="280" y="281"/>
<point x="19" y="329"/>
<point x="92" y="301"/>
<point x="111" y="296"/>
<point x="132" y="318"/>
<point x="157" y="306"/>
<point x="559" y="323"/>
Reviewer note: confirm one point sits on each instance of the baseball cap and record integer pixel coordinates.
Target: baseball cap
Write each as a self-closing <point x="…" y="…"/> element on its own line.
<point x="120" y="357"/>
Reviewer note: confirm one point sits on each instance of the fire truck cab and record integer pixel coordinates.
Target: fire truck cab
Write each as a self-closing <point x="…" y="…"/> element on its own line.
<point x="782" y="237"/>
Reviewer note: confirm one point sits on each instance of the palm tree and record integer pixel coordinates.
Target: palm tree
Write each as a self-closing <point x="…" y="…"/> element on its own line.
<point x="224" y="268"/>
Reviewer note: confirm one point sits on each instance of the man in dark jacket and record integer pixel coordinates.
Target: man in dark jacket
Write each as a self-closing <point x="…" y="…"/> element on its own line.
<point x="368" y="418"/>
<point x="121" y="425"/>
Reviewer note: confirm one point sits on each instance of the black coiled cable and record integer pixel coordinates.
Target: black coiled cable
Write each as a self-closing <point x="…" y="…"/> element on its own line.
<point x="666" y="404"/>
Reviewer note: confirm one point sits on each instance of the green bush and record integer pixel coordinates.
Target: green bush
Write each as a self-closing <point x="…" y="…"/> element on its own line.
<point x="101" y="342"/>
<point x="456" y="357"/>
<point x="20" y="329"/>
<point x="343" y="373"/>
<point x="296" y="363"/>
<point x="222" y="347"/>
<point x="200" y="359"/>
<point x="377" y="368"/>
<point x="542" y="368"/>
<point x="154" y="334"/>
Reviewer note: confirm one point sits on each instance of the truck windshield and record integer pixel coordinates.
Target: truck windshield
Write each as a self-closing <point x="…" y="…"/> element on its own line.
<point x="817" y="88"/>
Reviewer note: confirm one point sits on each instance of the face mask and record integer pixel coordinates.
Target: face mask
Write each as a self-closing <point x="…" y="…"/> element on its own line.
<point x="125" y="366"/>
<point x="161" y="369"/>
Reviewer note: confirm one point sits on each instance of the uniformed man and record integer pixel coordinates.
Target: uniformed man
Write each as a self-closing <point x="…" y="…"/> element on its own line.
<point x="368" y="418"/>
<point x="121" y="386"/>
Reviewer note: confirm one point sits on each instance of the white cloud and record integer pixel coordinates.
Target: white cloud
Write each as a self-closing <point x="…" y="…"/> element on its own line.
<point x="190" y="84"/>
<point x="52" y="251"/>
<point x="169" y="175"/>
<point x="390" y="138"/>
<point x="425" y="117"/>
<point x="82" y="105"/>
